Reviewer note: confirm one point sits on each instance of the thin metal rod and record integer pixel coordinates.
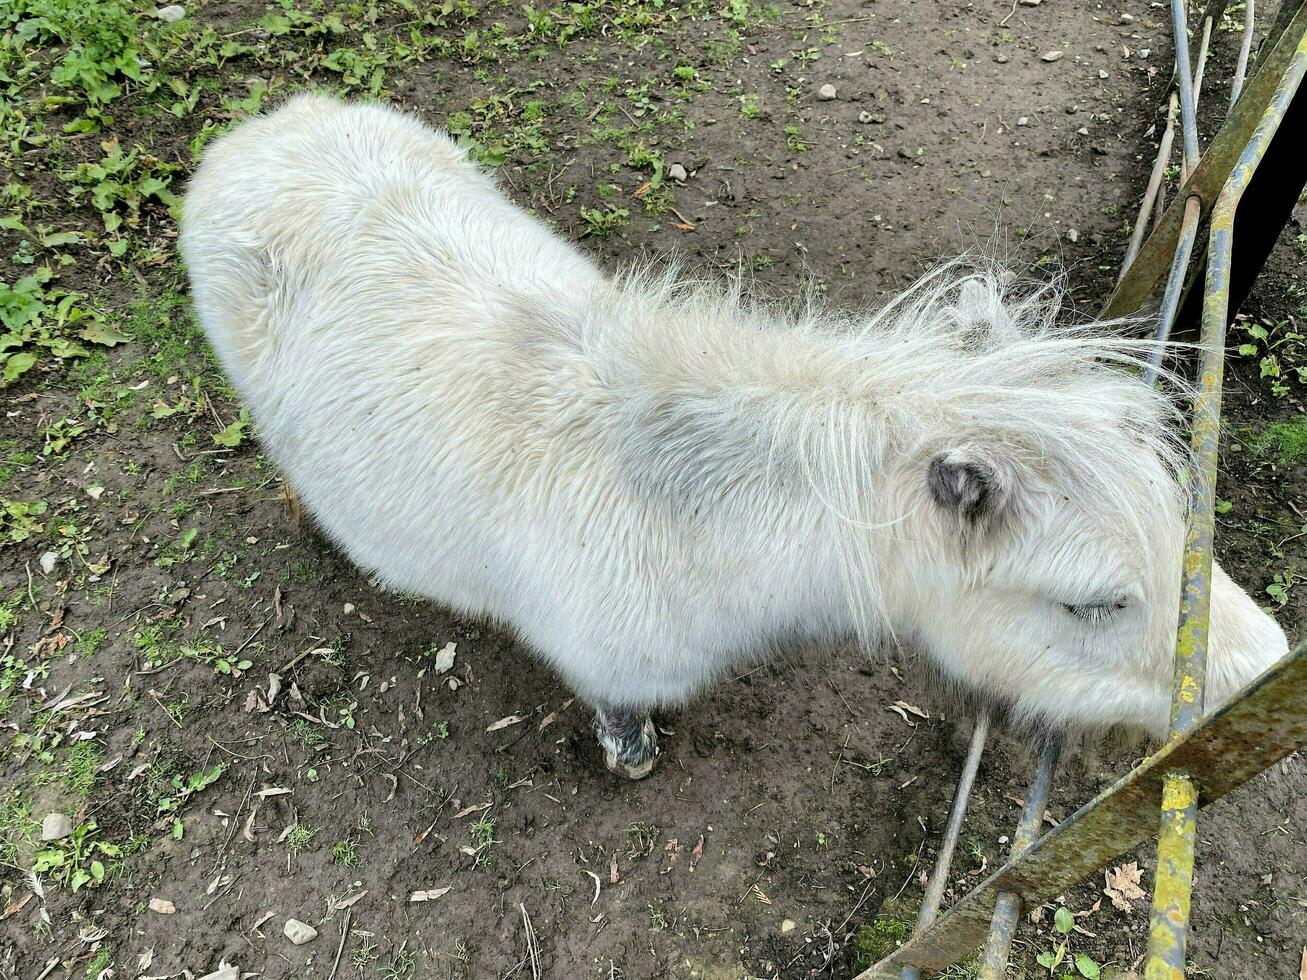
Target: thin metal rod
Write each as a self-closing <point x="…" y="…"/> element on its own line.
<point x="1007" y="908"/>
<point x="1149" y="269"/>
<point x="944" y="859"/>
<point x="1185" y="82"/>
<point x="1202" y="61"/>
<point x="1247" y="735"/>
<point x="1169" y="919"/>
<point x="1175" y="281"/>
<point x="1245" y="49"/>
<point x="1154" y="185"/>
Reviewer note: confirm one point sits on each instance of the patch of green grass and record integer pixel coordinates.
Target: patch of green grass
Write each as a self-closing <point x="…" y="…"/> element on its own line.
<point x="97" y="964"/>
<point x="640" y="839"/>
<point x="1284" y="442"/>
<point x="887" y="932"/>
<point x="346" y="852"/>
<point x="482" y="832"/>
<point x="17" y="830"/>
<point x="81" y="767"/>
<point x="300" y="837"/>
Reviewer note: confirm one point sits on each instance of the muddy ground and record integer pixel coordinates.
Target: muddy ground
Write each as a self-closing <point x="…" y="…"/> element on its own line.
<point x="151" y="579"/>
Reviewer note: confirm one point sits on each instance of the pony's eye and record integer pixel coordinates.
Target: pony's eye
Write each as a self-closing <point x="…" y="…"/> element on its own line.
<point x="1095" y="612"/>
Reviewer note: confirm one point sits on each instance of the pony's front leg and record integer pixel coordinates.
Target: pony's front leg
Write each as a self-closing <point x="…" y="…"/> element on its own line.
<point x="629" y="741"/>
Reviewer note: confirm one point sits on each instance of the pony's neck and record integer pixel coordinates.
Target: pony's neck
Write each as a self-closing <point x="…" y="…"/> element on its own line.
<point x="773" y="432"/>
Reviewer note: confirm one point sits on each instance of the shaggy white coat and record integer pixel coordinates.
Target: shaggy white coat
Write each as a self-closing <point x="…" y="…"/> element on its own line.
<point x="652" y="481"/>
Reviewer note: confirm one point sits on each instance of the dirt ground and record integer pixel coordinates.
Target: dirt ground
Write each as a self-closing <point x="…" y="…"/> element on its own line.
<point x="152" y="580"/>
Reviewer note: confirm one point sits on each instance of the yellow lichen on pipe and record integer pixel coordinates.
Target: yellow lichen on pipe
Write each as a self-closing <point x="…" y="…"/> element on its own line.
<point x="1173" y="886"/>
<point x="1169" y="920"/>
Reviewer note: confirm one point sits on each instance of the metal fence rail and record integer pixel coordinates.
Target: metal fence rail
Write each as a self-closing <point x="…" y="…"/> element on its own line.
<point x="1208" y="755"/>
<point x="1252" y="731"/>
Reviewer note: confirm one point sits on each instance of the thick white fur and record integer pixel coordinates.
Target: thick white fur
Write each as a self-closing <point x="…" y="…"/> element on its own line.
<point x="653" y="481"/>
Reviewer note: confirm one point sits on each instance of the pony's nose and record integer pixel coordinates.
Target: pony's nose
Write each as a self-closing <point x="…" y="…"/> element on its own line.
<point x="1243" y="640"/>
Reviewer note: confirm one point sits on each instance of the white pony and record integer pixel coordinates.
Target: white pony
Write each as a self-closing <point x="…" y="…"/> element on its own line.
<point x="652" y="481"/>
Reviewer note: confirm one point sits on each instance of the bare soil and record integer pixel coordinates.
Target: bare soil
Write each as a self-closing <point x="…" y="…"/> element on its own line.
<point x="792" y="807"/>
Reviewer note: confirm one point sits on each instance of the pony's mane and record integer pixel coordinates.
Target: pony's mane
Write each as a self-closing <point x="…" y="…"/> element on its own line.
<point x="711" y="379"/>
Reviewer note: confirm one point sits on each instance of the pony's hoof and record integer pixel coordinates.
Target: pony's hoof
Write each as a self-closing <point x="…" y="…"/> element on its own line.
<point x="629" y="741"/>
<point x="629" y="770"/>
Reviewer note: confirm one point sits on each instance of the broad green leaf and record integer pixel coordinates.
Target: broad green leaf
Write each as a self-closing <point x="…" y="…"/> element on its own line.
<point x="18" y="363"/>
<point x="104" y="333"/>
<point x="1086" y="967"/>
<point x="1063" y="920"/>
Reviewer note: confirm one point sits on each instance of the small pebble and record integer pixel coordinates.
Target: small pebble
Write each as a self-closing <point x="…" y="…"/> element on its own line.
<point x="48" y="561"/>
<point x="1072" y="235"/>
<point x="1145" y="52"/>
<point x="1127" y="18"/>
<point x="677" y="173"/>
<point x="56" y="826"/>
<point x="788" y="926"/>
<point x="1102" y="73"/>
<point x="864" y="116"/>
<point x="299" y="932"/>
<point x="826" y="92"/>
<point x="1030" y="3"/>
<point x="1051" y="56"/>
<point x="1001" y="58"/>
<point x="171" y="13"/>
<point x="349" y="608"/>
<point x="1082" y="131"/>
<point x="1023" y="120"/>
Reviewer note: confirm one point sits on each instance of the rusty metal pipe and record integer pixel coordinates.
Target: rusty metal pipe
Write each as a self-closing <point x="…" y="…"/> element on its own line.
<point x="1154" y="186"/>
<point x="1185" y="83"/>
<point x="1169" y="920"/>
<point x="930" y="902"/>
<point x="1175" y="281"/>
<point x="1007" y="908"/>
<point x="1245" y="49"/>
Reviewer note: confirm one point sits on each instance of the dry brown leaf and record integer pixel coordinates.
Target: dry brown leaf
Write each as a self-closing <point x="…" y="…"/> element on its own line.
<point x="1302" y="965"/>
<point x="612" y="870"/>
<point x="760" y="895"/>
<point x="429" y="894"/>
<point x="912" y="709"/>
<point x="348" y="901"/>
<point x="505" y="722"/>
<point x="474" y="808"/>
<point x="552" y="717"/>
<point x="696" y="855"/>
<point x="597" y="885"/>
<point x="1123" y="885"/>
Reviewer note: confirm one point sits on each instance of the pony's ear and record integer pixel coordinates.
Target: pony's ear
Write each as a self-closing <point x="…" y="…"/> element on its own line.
<point x="972" y="483"/>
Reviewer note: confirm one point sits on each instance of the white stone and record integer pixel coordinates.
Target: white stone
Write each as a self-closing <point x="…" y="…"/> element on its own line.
<point x="56" y="826"/>
<point x="1023" y="120"/>
<point x="826" y="92"/>
<point x="299" y="932"/>
<point x="1051" y="56"/>
<point x="677" y="173"/>
<point x="171" y="13"/>
<point x="788" y="926"/>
